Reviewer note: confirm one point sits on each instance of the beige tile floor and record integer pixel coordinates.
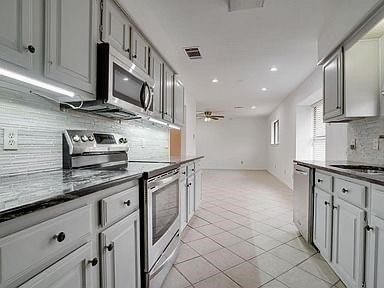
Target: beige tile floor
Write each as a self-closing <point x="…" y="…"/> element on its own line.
<point x="243" y="236"/>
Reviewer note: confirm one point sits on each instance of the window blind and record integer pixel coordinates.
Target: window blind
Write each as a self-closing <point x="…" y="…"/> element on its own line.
<point x="319" y="134"/>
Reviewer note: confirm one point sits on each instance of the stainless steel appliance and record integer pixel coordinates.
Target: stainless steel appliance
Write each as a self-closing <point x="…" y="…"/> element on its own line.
<point x="303" y="200"/>
<point x="159" y="195"/>
<point x="160" y="209"/>
<point x="123" y="90"/>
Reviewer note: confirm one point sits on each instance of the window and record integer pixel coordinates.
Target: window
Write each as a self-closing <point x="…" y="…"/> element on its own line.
<point x="318" y="132"/>
<point x="275" y="132"/>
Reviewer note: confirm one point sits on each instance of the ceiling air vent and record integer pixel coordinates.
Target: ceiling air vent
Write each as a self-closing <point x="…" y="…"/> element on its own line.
<point x="234" y="5"/>
<point x="193" y="52"/>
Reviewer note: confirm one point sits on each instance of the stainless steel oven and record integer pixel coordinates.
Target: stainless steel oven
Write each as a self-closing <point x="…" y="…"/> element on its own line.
<point x="161" y="226"/>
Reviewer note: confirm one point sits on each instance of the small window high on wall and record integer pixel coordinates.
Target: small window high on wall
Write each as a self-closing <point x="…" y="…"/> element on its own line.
<point x="319" y="135"/>
<point x="275" y="132"/>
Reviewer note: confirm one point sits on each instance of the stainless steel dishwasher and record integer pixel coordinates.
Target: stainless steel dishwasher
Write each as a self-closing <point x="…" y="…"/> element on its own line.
<point x="303" y="200"/>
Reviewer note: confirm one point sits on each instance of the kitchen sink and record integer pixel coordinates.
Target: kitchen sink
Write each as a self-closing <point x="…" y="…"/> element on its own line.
<point x="362" y="168"/>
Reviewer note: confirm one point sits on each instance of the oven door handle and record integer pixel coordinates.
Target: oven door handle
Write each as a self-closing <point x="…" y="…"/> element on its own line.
<point x="158" y="184"/>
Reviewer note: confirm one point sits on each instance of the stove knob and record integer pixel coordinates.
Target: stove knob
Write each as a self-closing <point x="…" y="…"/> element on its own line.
<point x="121" y="140"/>
<point x="91" y="138"/>
<point x="84" y="138"/>
<point x="125" y="140"/>
<point x="76" y="138"/>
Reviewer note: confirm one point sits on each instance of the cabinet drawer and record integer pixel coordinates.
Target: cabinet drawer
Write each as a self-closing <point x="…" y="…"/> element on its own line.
<point x="351" y="192"/>
<point x="323" y="181"/>
<point x="377" y="201"/>
<point x="118" y="205"/>
<point x="30" y="249"/>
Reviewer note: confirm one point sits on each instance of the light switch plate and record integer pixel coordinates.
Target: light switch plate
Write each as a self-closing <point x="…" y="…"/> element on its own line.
<point x="10" y="139"/>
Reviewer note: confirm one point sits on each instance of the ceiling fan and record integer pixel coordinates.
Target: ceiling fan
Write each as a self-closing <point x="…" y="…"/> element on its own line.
<point x="208" y="116"/>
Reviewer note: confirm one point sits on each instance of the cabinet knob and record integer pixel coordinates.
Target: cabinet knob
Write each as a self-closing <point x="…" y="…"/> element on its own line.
<point x="369" y="228"/>
<point x="326" y="203"/>
<point x="183" y="173"/>
<point x="93" y="262"/>
<point x="319" y="180"/>
<point x="344" y="190"/>
<point x="127" y="50"/>
<point x="31" y="49"/>
<point x="127" y="203"/>
<point x="134" y="56"/>
<point x="60" y="237"/>
<point x="110" y="247"/>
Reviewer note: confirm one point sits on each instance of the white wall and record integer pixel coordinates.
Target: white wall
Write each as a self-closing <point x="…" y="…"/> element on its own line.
<point x="226" y="143"/>
<point x="189" y="131"/>
<point x="280" y="158"/>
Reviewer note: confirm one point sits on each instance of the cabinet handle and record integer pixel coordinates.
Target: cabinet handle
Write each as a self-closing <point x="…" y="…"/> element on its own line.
<point x="335" y="207"/>
<point x="183" y="173"/>
<point x="344" y="191"/>
<point x="326" y="203"/>
<point x="110" y="247"/>
<point x="134" y="56"/>
<point x="31" y="49"/>
<point x="369" y="228"/>
<point x="127" y="50"/>
<point x="193" y="170"/>
<point x="128" y="203"/>
<point x="319" y="180"/>
<point x="60" y="237"/>
<point x="93" y="262"/>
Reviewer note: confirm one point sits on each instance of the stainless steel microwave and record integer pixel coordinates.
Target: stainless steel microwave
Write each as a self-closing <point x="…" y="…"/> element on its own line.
<point x="123" y="90"/>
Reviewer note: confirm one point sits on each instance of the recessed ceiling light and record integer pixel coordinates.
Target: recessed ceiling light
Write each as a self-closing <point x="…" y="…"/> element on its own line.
<point x="126" y="79"/>
<point x="274" y="69"/>
<point x="215" y="80"/>
<point x="253" y="107"/>
<point x="264" y="89"/>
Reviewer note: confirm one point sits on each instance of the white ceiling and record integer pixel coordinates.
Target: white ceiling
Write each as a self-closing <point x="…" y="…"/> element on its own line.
<point x="238" y="48"/>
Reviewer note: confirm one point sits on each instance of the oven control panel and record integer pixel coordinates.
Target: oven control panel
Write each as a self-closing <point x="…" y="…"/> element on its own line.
<point x="83" y="141"/>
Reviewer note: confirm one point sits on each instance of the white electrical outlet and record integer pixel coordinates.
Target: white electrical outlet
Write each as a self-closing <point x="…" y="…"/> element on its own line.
<point x="10" y="139"/>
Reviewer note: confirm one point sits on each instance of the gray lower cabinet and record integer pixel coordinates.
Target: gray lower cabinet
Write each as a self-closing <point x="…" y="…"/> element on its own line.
<point x="70" y="44"/>
<point x="16" y="32"/>
<point x="120" y="253"/>
<point x="74" y="271"/>
<point x="375" y="244"/>
<point x="322" y="222"/>
<point x="183" y="198"/>
<point x="198" y="188"/>
<point x="348" y="243"/>
<point x="191" y="196"/>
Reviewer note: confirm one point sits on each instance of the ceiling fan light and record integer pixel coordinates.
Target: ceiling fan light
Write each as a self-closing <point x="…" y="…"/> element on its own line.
<point x="207" y="119"/>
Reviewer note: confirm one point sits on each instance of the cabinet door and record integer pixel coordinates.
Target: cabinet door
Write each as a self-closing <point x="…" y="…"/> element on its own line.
<point x="120" y="245"/>
<point x="16" y="32"/>
<point x="333" y="86"/>
<point x="74" y="271"/>
<point x="322" y="222"/>
<point x="375" y="265"/>
<point x="198" y="188"/>
<point x="348" y="243"/>
<point x="157" y="74"/>
<point x="140" y="51"/>
<point x="71" y="43"/>
<point x="168" y="94"/>
<point x="191" y="197"/>
<point x="116" y="28"/>
<point x="178" y="103"/>
<point x="183" y="203"/>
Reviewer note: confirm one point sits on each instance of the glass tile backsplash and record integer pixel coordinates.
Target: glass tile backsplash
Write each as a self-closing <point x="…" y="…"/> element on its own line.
<point x="40" y="125"/>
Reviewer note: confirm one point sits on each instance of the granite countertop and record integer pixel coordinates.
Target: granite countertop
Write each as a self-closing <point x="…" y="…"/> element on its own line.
<point x="26" y="193"/>
<point x="327" y="166"/>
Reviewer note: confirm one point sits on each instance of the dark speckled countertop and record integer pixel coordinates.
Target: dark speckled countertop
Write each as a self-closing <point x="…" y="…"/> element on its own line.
<point x="26" y="193"/>
<point x="327" y="166"/>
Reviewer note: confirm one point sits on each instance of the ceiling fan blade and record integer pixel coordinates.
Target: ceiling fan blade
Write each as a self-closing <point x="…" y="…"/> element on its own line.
<point x="218" y="116"/>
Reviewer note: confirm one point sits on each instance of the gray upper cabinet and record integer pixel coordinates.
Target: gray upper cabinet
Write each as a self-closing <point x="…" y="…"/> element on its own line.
<point x="121" y="254"/>
<point x="156" y="72"/>
<point x="71" y="36"/>
<point x="140" y="50"/>
<point x="16" y="32"/>
<point x="333" y="86"/>
<point x="168" y="94"/>
<point x="178" y="105"/>
<point x="116" y="27"/>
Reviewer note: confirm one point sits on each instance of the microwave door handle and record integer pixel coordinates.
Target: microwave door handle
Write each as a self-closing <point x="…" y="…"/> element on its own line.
<point x="145" y="96"/>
